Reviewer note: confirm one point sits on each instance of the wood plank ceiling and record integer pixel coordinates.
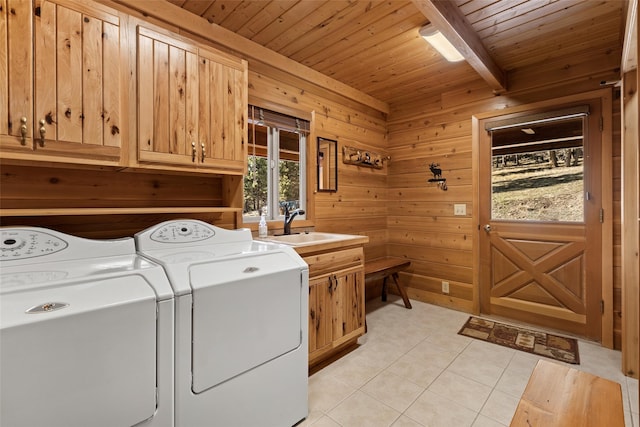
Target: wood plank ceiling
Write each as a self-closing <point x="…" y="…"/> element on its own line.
<point x="374" y="45"/>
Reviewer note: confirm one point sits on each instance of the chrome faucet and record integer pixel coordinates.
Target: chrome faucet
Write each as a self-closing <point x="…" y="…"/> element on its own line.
<point x="288" y="218"/>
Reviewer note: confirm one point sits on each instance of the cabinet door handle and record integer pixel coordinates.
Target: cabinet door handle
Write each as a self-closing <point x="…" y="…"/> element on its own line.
<point x="23" y="130"/>
<point x="193" y="151"/>
<point x="204" y="152"/>
<point x="43" y="131"/>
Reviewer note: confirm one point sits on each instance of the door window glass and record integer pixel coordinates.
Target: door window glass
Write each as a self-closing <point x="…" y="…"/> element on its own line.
<point x="537" y="171"/>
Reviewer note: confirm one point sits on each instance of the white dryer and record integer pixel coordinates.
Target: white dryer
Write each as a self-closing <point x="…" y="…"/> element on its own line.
<point x="241" y="325"/>
<point x="86" y="333"/>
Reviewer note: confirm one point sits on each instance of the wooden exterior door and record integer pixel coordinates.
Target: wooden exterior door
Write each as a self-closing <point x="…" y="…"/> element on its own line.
<point x="544" y="272"/>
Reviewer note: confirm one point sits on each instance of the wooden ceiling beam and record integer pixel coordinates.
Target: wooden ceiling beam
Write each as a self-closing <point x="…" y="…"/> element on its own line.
<point x="445" y="16"/>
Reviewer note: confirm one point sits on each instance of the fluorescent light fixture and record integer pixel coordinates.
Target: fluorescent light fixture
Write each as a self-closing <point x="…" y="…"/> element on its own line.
<point x="440" y="43"/>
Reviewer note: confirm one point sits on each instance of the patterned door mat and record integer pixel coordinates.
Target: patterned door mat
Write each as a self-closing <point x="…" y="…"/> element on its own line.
<point x="540" y="343"/>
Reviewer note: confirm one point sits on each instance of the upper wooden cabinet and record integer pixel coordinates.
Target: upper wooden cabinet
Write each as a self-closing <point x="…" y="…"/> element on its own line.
<point x="60" y="81"/>
<point x="192" y="103"/>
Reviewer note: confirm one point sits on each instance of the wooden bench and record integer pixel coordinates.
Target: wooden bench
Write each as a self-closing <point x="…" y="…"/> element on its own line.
<point x="383" y="268"/>
<point x="557" y="395"/>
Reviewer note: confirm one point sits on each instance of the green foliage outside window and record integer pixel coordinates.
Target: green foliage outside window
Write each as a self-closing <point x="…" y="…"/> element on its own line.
<point x="255" y="185"/>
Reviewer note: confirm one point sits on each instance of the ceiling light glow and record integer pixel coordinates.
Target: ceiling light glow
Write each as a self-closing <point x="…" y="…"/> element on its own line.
<point x="439" y="42"/>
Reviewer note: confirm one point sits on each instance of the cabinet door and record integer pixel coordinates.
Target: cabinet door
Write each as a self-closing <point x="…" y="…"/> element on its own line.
<point x="167" y="100"/>
<point x="320" y="317"/>
<point x="223" y="106"/>
<point x="76" y="80"/>
<point x="192" y="104"/>
<point x="348" y="304"/>
<point x="72" y="108"/>
<point x="16" y="58"/>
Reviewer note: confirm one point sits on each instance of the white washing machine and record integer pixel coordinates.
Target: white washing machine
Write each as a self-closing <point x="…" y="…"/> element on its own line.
<point x="241" y="325"/>
<point x="86" y="333"/>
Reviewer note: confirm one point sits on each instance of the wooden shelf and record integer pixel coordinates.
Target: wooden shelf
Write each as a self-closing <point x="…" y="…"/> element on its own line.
<point x="115" y="211"/>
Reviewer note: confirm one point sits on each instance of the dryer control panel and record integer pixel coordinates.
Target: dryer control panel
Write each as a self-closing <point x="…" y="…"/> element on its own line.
<point x="182" y="232"/>
<point x="22" y="244"/>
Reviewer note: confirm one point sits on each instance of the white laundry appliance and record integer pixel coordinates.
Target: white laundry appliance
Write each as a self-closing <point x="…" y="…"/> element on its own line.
<point x="86" y="333"/>
<point x="241" y="325"/>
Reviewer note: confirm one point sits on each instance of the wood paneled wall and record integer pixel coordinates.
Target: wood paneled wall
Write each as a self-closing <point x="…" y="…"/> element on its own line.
<point x="422" y="226"/>
<point x="38" y="187"/>
<point x="360" y="204"/>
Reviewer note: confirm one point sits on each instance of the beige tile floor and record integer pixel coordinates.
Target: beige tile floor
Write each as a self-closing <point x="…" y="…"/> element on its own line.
<point x="413" y="369"/>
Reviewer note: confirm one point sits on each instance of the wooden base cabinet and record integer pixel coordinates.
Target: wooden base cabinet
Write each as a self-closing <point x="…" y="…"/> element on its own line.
<point x="336" y="302"/>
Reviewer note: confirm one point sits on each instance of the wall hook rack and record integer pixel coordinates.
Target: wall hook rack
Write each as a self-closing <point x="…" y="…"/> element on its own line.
<point x="437" y="176"/>
<point x="356" y="156"/>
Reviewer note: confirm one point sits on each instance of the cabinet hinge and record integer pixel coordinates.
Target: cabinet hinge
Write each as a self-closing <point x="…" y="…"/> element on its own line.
<point x="601" y="215"/>
<point x="601" y="123"/>
<point x="601" y="306"/>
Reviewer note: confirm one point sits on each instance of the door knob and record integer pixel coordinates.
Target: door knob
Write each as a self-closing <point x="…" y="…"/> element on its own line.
<point x="487" y="228"/>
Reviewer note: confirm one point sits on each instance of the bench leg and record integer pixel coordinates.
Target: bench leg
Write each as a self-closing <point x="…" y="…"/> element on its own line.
<point x="384" y="289"/>
<point x="401" y="289"/>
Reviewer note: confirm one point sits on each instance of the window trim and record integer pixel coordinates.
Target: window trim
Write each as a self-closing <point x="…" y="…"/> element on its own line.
<point x="273" y="176"/>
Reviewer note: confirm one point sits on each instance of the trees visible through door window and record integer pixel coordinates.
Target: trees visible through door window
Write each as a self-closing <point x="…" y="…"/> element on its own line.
<point x="537" y="171"/>
<point x="275" y="178"/>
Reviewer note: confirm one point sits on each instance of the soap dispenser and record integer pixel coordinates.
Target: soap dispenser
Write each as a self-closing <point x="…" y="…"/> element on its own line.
<point x="262" y="226"/>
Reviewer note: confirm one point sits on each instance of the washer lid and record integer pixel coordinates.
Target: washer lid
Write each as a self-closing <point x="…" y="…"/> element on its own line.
<point x="29" y="245"/>
<point x="79" y="355"/>
<point x="37" y="258"/>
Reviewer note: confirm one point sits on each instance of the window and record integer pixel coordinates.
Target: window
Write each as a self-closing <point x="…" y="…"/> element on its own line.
<point x="275" y="177"/>
<point x="537" y="171"/>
